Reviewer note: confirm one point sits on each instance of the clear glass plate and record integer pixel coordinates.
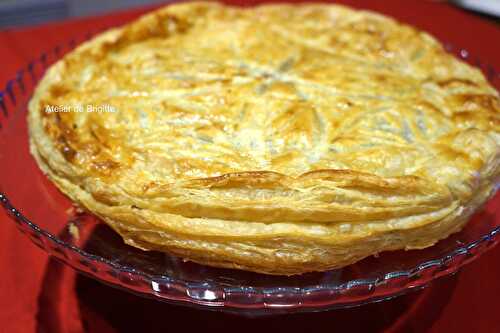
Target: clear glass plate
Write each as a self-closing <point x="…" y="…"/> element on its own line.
<point x="81" y="241"/>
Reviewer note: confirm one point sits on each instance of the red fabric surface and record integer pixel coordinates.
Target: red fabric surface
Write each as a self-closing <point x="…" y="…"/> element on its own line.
<point x="41" y="295"/>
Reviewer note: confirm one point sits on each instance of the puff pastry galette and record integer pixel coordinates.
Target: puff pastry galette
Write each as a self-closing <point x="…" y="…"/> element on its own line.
<point x="279" y="139"/>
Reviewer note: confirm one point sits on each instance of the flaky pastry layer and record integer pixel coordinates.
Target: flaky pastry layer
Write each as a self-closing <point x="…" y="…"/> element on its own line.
<point x="279" y="139"/>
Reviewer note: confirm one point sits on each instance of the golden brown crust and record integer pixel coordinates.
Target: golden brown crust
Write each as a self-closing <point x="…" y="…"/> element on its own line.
<point x="280" y="139"/>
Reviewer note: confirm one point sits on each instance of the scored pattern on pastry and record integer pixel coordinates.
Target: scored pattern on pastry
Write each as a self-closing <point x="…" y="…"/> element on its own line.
<point x="312" y="116"/>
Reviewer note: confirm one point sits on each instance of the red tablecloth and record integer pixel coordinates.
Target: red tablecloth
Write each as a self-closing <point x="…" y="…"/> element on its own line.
<point x="38" y="294"/>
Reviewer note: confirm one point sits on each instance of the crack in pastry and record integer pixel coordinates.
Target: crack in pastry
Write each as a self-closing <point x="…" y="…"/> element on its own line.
<point x="279" y="139"/>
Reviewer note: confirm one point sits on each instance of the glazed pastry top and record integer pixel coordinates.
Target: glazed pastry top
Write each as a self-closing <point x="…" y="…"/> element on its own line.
<point x="313" y="113"/>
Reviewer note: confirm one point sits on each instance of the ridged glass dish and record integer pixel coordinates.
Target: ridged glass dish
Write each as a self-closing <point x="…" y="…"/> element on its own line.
<point x="48" y="218"/>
